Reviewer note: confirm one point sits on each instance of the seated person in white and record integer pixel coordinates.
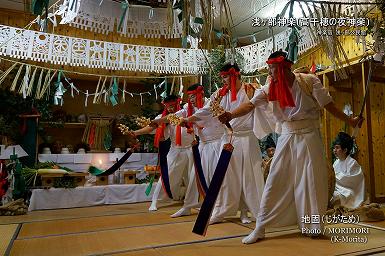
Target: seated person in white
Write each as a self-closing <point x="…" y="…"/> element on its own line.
<point x="350" y="183"/>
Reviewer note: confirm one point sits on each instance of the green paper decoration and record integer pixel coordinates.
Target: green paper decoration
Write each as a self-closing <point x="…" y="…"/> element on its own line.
<point x="124" y="7"/>
<point x="292" y="45"/>
<point x="38" y="6"/>
<point x="114" y="93"/>
<point x="198" y="20"/>
<point x="149" y="187"/>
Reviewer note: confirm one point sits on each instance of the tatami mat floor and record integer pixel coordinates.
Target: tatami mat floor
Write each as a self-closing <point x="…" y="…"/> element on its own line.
<point x="131" y="230"/>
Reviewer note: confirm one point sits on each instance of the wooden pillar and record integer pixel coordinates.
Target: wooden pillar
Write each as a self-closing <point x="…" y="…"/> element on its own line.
<point x="350" y="129"/>
<point x="369" y="138"/>
<point x="326" y="123"/>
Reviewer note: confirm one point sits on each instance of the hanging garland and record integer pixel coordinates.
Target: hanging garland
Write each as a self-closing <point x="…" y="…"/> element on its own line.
<point x="57" y="49"/>
<point x="107" y="94"/>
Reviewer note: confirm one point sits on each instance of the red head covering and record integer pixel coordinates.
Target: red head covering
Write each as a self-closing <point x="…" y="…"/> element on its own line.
<point x="160" y="130"/>
<point x="279" y="90"/>
<point x="233" y="81"/>
<point x="198" y="92"/>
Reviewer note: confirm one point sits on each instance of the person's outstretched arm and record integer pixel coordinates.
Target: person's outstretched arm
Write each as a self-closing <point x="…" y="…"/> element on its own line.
<point x="322" y="96"/>
<point x="259" y="99"/>
<point x="242" y="110"/>
<point x="145" y="130"/>
<point x="352" y="121"/>
<point x="160" y="120"/>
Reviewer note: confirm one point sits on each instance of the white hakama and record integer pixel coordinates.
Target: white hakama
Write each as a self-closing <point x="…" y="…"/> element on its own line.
<point x="297" y="183"/>
<point x="180" y="163"/>
<point x="243" y="183"/>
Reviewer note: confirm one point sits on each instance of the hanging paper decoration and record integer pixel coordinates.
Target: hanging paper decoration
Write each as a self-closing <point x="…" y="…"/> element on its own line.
<point x="60" y="90"/>
<point x="164" y="93"/>
<point x="14" y="83"/>
<point x="31" y="82"/>
<point x="56" y="49"/>
<point x="38" y="6"/>
<point x="102" y="90"/>
<point x="85" y="102"/>
<point x="97" y="90"/>
<point x="124" y="6"/>
<point x="123" y="100"/>
<point x="106" y="93"/>
<point x="292" y="45"/>
<point x="156" y="93"/>
<point x="71" y="84"/>
<point x="24" y="86"/>
<point x="69" y="10"/>
<point x="45" y="84"/>
<point x="38" y="88"/>
<point x="42" y="25"/>
<point x="180" y="93"/>
<point x="348" y="110"/>
<point x="172" y="86"/>
<point x="5" y="74"/>
<point x="105" y="97"/>
<point x="114" y="92"/>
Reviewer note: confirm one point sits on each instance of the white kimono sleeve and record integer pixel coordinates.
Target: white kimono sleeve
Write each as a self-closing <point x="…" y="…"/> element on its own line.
<point x="320" y="93"/>
<point x="264" y="121"/>
<point x="204" y="114"/>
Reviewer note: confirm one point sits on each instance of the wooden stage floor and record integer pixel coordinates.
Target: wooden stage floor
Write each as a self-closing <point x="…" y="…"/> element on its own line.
<point x="131" y="230"/>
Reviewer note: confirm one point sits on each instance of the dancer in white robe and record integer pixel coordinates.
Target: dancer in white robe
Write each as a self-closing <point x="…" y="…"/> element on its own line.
<point x="350" y="183"/>
<point x="210" y="133"/>
<point x="195" y="101"/>
<point x="180" y="165"/>
<point x="243" y="183"/>
<point x="179" y="157"/>
<point x="297" y="184"/>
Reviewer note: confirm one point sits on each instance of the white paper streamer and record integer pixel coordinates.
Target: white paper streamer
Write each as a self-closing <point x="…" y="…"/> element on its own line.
<point x="47" y="82"/>
<point x="101" y="90"/>
<point x="151" y="14"/>
<point x="181" y="87"/>
<point x="73" y="87"/>
<point x="30" y="86"/>
<point x="24" y="86"/>
<point x="156" y="93"/>
<point x="37" y="92"/>
<point x="85" y="103"/>
<point x="97" y="88"/>
<point x="48" y="86"/>
<point x="4" y="75"/>
<point x="14" y="83"/>
<point x="46" y="79"/>
<point x="172" y="86"/>
<point x="123" y="100"/>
